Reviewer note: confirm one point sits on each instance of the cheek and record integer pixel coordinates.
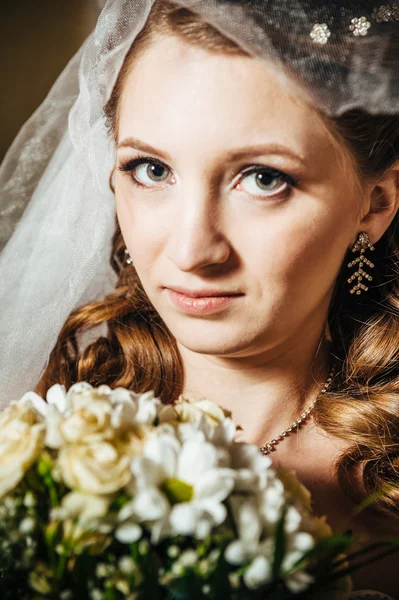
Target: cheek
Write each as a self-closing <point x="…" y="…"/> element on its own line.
<point x="300" y="252"/>
<point x="141" y="232"/>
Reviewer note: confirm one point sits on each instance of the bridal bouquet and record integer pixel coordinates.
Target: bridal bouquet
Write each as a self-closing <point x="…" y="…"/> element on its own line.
<point x="108" y="494"/>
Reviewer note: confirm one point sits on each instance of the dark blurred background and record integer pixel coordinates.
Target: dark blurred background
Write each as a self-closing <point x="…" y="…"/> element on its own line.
<point x="37" y="39"/>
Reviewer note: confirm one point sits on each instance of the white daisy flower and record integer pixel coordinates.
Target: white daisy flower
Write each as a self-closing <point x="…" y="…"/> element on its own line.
<point x="180" y="487"/>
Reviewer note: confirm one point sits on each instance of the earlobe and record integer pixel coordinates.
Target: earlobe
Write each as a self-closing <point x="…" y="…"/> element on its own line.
<point x="383" y="204"/>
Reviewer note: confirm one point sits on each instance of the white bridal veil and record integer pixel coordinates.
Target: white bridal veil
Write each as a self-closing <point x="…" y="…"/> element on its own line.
<point x="57" y="212"/>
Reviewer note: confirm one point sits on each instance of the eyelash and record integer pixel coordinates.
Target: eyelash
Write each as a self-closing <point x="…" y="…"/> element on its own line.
<point x="130" y="165"/>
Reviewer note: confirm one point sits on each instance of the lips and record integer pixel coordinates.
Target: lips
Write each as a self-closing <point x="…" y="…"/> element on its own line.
<point x="202" y="303"/>
<point x="204" y="293"/>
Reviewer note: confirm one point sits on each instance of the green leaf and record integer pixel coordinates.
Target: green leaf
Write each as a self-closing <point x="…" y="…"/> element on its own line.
<point x="327" y="548"/>
<point x="279" y="548"/>
<point x="372" y="498"/>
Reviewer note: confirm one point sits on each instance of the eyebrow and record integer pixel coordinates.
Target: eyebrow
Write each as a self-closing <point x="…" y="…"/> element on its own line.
<point x="231" y="155"/>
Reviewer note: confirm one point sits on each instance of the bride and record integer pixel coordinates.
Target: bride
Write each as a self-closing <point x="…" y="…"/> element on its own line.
<point x="252" y="153"/>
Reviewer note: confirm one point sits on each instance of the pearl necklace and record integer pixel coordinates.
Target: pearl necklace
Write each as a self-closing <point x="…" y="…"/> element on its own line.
<point x="270" y="446"/>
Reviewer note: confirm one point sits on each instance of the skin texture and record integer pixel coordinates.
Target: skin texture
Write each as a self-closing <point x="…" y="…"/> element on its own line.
<point x="199" y="222"/>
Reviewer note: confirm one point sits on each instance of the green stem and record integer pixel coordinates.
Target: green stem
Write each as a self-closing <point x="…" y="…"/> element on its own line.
<point x="233" y="523"/>
<point x="361" y="552"/>
<point x="372" y="498"/>
<point x="349" y="570"/>
<point x="60" y="568"/>
<point x="53" y="495"/>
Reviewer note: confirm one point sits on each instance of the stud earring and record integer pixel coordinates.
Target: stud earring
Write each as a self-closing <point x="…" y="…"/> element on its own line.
<point x="129" y="260"/>
<point x="362" y="244"/>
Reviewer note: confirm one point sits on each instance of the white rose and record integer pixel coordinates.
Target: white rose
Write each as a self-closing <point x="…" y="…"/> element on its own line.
<point x="22" y="432"/>
<point x="98" y="468"/>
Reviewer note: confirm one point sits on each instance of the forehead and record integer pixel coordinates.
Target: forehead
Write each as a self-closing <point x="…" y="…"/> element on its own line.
<point x="180" y="94"/>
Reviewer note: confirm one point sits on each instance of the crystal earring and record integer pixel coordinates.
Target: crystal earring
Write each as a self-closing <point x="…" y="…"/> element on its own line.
<point x="362" y="244"/>
<point x="129" y="260"/>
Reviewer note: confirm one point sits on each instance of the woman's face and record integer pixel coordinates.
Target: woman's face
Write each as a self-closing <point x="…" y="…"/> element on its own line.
<point x="240" y="190"/>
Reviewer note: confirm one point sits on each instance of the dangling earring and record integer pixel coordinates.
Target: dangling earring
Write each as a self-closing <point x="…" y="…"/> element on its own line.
<point x="362" y="243"/>
<point x="129" y="260"/>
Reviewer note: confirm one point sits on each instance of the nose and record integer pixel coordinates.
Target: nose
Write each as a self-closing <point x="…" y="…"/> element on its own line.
<point x="196" y="237"/>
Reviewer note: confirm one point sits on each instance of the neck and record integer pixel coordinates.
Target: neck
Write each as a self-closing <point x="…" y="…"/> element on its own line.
<point x="265" y="393"/>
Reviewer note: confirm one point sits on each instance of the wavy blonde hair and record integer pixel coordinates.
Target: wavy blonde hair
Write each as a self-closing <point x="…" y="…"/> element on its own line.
<point x="140" y="353"/>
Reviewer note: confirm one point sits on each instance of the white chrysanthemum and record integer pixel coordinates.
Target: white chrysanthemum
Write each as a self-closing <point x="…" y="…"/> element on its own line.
<point x="256" y="516"/>
<point x="252" y="468"/>
<point x="180" y="487"/>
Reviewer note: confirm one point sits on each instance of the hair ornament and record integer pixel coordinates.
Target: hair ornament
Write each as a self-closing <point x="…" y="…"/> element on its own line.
<point x="359" y="26"/>
<point x="320" y="33"/>
<point x="386" y="13"/>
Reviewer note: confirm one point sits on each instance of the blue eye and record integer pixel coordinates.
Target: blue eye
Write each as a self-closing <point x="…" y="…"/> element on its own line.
<point x="268" y="180"/>
<point x="145" y="167"/>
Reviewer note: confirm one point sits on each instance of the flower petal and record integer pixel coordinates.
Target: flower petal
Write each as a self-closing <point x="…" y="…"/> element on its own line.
<point x="215" y="510"/>
<point x="195" y="458"/>
<point x="258" y="573"/>
<point x="235" y="553"/>
<point x="215" y="483"/>
<point x="183" y="518"/>
<point x="36" y="401"/>
<point x="163" y="451"/>
<point x="56" y="395"/>
<point x="129" y="532"/>
<point x="150" y="504"/>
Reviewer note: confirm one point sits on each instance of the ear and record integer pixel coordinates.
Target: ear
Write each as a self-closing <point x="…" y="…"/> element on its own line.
<point x="383" y="203"/>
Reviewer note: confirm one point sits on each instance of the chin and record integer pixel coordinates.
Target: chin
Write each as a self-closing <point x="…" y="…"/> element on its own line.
<point x="210" y="337"/>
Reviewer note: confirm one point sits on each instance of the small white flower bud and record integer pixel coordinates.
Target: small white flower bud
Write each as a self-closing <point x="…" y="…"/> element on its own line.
<point x="203" y="566"/>
<point x="143" y="546"/>
<point x="9" y="502"/>
<point x="27" y="525"/>
<point x="126" y="565"/>
<point x="103" y="570"/>
<point x="234" y="579"/>
<point x="188" y="558"/>
<point x="177" y="569"/>
<point x="214" y="555"/>
<point x="173" y="551"/>
<point x="29" y="499"/>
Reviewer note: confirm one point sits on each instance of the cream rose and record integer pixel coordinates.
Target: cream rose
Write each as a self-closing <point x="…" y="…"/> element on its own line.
<point x="89" y="421"/>
<point x="22" y="433"/>
<point x="190" y="411"/>
<point x="97" y="468"/>
<point x="131" y="442"/>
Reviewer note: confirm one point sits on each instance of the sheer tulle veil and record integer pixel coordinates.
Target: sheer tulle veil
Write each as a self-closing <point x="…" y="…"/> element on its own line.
<point x="57" y="212"/>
